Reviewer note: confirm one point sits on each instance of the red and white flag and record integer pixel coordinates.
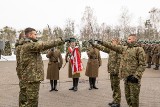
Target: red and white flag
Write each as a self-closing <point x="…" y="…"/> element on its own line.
<point x="75" y="60"/>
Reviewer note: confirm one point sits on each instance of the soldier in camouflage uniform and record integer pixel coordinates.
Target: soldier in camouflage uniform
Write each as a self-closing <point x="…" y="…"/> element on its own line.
<point x="93" y="64"/>
<point x="149" y="55"/>
<point x="32" y="65"/>
<point x="7" y="49"/>
<point x="113" y="69"/>
<point x="22" y="93"/>
<point x="132" y="66"/>
<point x="156" y="56"/>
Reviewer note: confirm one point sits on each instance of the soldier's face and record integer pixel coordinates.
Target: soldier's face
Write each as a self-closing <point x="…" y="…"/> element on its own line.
<point x="33" y="35"/>
<point x="73" y="44"/>
<point x="131" y="39"/>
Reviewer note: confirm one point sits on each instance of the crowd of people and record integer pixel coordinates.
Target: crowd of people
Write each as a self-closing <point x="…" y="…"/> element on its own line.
<point x="126" y="61"/>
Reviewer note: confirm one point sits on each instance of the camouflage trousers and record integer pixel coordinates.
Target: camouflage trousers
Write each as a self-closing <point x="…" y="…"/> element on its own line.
<point x="149" y="59"/>
<point x="29" y="95"/>
<point x="157" y="60"/>
<point x="132" y="91"/>
<point x="22" y="94"/>
<point x="115" y="86"/>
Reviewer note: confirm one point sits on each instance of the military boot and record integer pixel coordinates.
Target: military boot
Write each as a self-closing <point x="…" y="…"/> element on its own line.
<point x="90" y="83"/>
<point x="76" y="84"/>
<point x="115" y="105"/>
<point x="55" y="85"/>
<point x="156" y="68"/>
<point x="110" y="103"/>
<point x="73" y="84"/>
<point x="51" y="82"/>
<point x="94" y="83"/>
<point x="149" y="65"/>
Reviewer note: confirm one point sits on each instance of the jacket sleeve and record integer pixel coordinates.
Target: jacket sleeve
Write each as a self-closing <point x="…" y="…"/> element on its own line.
<point x="66" y="57"/>
<point x="99" y="58"/>
<point x="102" y="48"/>
<point x="60" y="59"/>
<point x="141" y="63"/>
<point x="41" y="46"/>
<point x="88" y="52"/>
<point x="158" y="51"/>
<point x="117" y="48"/>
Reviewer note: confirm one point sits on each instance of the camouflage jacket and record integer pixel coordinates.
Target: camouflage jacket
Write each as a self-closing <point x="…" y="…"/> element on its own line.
<point x="113" y="60"/>
<point x="18" y="46"/>
<point x="155" y="50"/>
<point x="31" y="60"/>
<point x="149" y="50"/>
<point x="132" y="60"/>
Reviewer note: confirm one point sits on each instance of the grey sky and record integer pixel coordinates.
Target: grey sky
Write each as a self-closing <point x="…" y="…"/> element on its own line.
<point x="38" y="13"/>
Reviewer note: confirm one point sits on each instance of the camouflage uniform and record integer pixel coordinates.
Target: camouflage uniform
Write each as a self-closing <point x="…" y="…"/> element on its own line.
<point x="113" y="69"/>
<point x="132" y="66"/>
<point x="7" y="49"/>
<point x="32" y="67"/>
<point x="149" y="55"/>
<point x="22" y="85"/>
<point x="156" y="56"/>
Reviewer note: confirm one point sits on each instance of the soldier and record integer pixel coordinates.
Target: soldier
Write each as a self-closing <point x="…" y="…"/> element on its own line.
<point x="7" y="51"/>
<point x="113" y="69"/>
<point x="132" y="66"/>
<point x="149" y="55"/>
<point x="54" y="65"/>
<point x="156" y="56"/>
<point x="32" y="65"/>
<point x="73" y="71"/>
<point x="93" y="64"/>
<point x="22" y="93"/>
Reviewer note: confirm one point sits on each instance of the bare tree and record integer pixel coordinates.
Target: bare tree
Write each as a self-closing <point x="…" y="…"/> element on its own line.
<point x="69" y="28"/>
<point x="58" y="32"/>
<point x="155" y="21"/>
<point x="125" y="19"/>
<point x="141" y="29"/>
<point x="105" y="32"/>
<point x="90" y="27"/>
<point x="45" y="34"/>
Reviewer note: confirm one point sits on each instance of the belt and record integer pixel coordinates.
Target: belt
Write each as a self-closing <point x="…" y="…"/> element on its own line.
<point x="54" y="61"/>
<point x="92" y="58"/>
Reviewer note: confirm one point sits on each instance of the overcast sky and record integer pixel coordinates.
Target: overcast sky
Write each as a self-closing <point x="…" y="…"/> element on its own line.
<point x="20" y="14"/>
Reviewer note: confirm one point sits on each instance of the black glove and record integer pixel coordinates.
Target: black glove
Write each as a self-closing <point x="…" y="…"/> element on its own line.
<point x="91" y="41"/>
<point x="132" y="79"/>
<point x="114" y="74"/>
<point x="99" y="41"/>
<point x="66" y="60"/>
<point x="67" y="40"/>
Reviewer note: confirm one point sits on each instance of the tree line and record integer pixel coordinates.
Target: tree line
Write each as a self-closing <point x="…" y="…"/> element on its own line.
<point x="89" y="28"/>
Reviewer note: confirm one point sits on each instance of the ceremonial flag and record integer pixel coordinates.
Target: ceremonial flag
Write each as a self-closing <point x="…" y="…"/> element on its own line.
<point x="75" y="59"/>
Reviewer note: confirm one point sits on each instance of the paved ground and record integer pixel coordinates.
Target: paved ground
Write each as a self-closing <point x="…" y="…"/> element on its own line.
<point x="149" y="96"/>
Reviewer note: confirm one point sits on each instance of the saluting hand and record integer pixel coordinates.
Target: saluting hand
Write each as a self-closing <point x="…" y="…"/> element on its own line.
<point x="99" y="41"/>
